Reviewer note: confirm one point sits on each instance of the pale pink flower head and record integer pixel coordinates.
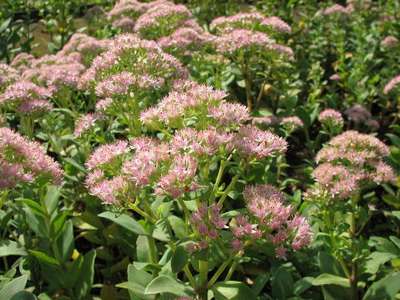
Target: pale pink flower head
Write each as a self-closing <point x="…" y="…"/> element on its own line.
<point x="351" y="160"/>
<point x="292" y="123"/>
<point x="180" y="177"/>
<point x="106" y="154"/>
<point x="254" y="142"/>
<point x="266" y="203"/>
<point x="390" y="42"/>
<point x="108" y="190"/>
<point x="140" y="169"/>
<point x="103" y="105"/>
<point x="276" y="24"/>
<point x="165" y="15"/>
<point x="335" y="9"/>
<point x="185" y="38"/>
<point x="228" y="114"/>
<point x="34" y="106"/>
<point x="32" y="159"/>
<point x="335" y="77"/>
<point x="331" y="116"/>
<point x="8" y="75"/>
<point x="249" y="21"/>
<point x="337" y="180"/>
<point x="391" y="85"/>
<point x="238" y="39"/>
<point x="274" y="220"/>
<point x="85" y="123"/>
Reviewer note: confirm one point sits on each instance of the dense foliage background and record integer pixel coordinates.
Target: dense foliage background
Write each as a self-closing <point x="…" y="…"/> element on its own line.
<point x="199" y="149"/>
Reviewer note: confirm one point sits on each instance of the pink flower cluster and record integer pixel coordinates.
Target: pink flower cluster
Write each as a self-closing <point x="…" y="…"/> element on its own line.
<point x="203" y="142"/>
<point x="144" y="162"/>
<point x="331" y="117"/>
<point x="180" y="177"/>
<point x="85" y="122"/>
<point x="337" y="9"/>
<point x="244" y="39"/>
<point x="292" y="123"/>
<point x="228" y="114"/>
<point x="248" y="21"/>
<point x="390" y="42"/>
<point x="7" y="75"/>
<point x="241" y="39"/>
<point x="127" y="8"/>
<point x="106" y="153"/>
<point x="166" y="15"/>
<point x="22" y="160"/>
<point x="273" y="220"/>
<point x="349" y="161"/>
<point x="185" y="38"/>
<point x="391" y="85"/>
<point x="130" y="61"/>
<point x="26" y="97"/>
<point x="141" y="167"/>
<point x="207" y="222"/>
<point x="253" y="142"/>
<point x="186" y="97"/>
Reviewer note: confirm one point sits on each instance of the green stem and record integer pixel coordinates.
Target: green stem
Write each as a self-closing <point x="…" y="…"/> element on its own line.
<point x="152" y="249"/>
<point x="231" y="271"/>
<point x="203" y="276"/>
<point x="218" y="273"/>
<point x="353" y="279"/>
<point x="189" y="275"/>
<point x="141" y="212"/>
<point x="186" y="211"/>
<point x="217" y="182"/>
<point x="228" y="189"/>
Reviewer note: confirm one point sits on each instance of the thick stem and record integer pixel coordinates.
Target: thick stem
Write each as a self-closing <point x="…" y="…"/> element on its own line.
<point x="218" y="273"/>
<point x="228" y="189"/>
<point x="142" y="213"/>
<point x="189" y="275"/>
<point x="353" y="235"/>
<point x="203" y="276"/>
<point x="153" y="249"/>
<point x="231" y="271"/>
<point x="217" y="182"/>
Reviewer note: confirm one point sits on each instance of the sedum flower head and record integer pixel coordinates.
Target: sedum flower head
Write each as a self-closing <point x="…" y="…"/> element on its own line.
<point x="25" y="160"/>
<point x="351" y="160"/>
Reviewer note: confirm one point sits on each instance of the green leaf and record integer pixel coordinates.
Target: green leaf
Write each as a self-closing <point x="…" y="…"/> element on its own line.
<point x="260" y="282"/>
<point x="376" y="259"/>
<point x="165" y="284"/>
<point x="178" y="226"/>
<point x="330" y="279"/>
<point x="8" y="247"/>
<point x="282" y="283"/>
<point x="86" y="275"/>
<point x="142" y="249"/>
<point x="232" y="290"/>
<point x="179" y="259"/>
<point x="396" y="213"/>
<point x="44" y="258"/>
<point x="51" y="198"/>
<point x="396" y="241"/>
<point x="384" y="289"/>
<point x="14" y="286"/>
<point x="137" y="282"/>
<point x="302" y="285"/>
<point x="75" y="164"/>
<point x="5" y="25"/>
<point x="23" y="295"/>
<point x="65" y="242"/>
<point x="125" y="221"/>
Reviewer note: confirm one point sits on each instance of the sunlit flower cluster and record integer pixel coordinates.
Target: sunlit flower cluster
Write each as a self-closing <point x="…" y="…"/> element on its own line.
<point x="22" y="160"/>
